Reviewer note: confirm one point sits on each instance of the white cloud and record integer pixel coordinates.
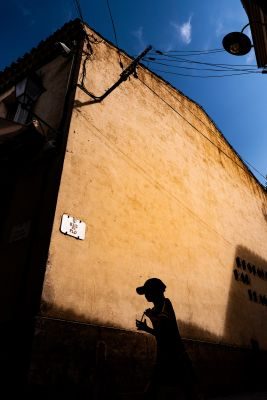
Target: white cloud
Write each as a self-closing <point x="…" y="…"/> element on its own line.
<point x="184" y="31"/>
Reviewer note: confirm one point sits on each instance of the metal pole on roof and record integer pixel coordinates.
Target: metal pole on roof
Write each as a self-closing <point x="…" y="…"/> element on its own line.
<point x="123" y="77"/>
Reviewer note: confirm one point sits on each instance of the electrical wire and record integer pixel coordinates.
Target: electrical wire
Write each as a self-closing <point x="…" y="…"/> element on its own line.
<point x="184" y="63"/>
<point x="185" y="60"/>
<point x="90" y="39"/>
<point x="205" y="76"/>
<point x="193" y="51"/>
<point x="198" y="69"/>
<point x="212" y="131"/>
<point x="172" y="62"/>
<point x="189" y="53"/>
<point x="202" y="134"/>
<point x="208" y="128"/>
<point x="115" y="34"/>
<point x="79" y="9"/>
<point x="157" y="184"/>
<point x="151" y="179"/>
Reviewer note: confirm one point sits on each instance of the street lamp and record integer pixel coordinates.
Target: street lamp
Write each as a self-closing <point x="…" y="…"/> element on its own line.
<point x="237" y="43"/>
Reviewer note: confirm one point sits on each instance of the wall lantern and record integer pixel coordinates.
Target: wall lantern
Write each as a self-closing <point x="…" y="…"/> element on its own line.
<point x="237" y="43"/>
<point x="27" y="92"/>
<point x="29" y="89"/>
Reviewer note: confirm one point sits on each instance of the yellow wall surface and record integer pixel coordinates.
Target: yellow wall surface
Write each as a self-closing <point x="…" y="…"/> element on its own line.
<point x="162" y="195"/>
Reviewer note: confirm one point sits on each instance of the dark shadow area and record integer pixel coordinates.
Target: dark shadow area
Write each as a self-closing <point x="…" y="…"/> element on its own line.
<point x="71" y="354"/>
<point x="23" y="177"/>
<point x="29" y="177"/>
<point x="85" y="356"/>
<point x="29" y="182"/>
<point x="246" y="322"/>
<point x="247" y="297"/>
<point x="103" y="362"/>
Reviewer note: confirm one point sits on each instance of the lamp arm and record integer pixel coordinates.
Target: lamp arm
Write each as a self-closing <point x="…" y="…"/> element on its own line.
<point x="254" y="22"/>
<point x="245" y="27"/>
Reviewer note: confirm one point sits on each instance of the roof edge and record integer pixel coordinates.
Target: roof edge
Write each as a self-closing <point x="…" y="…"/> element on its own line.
<point x="44" y="52"/>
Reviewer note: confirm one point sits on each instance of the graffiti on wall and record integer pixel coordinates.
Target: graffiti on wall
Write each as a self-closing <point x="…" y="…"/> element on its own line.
<point x="247" y="273"/>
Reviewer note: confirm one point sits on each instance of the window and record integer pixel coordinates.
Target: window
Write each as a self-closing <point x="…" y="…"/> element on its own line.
<point x="17" y="103"/>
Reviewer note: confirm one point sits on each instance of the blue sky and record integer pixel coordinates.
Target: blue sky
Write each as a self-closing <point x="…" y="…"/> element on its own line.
<point x="237" y="104"/>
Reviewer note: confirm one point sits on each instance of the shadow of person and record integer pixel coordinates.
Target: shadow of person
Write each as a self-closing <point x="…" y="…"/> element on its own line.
<point x="173" y="376"/>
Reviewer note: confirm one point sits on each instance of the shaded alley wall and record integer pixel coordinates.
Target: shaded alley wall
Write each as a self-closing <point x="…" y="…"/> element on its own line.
<point x="23" y="179"/>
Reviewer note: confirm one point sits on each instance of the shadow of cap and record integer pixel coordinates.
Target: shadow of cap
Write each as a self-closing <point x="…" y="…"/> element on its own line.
<point x="151" y="284"/>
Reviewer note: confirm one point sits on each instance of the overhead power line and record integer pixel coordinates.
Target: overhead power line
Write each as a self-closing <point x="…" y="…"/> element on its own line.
<point x="115" y="34"/>
<point x="178" y="62"/>
<point x="202" y="134"/>
<point x="151" y="178"/>
<point x="186" y="53"/>
<point x="190" y="52"/>
<point x="185" y="60"/>
<point x="79" y="9"/>
<point x="218" y="69"/>
<point x="208" y="127"/>
<point x="205" y="76"/>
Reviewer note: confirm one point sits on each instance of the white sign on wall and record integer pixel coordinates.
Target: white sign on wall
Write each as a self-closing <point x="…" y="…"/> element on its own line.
<point x="73" y="227"/>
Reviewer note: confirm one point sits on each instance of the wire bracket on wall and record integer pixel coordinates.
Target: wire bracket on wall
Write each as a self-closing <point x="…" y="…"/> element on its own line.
<point x="131" y="69"/>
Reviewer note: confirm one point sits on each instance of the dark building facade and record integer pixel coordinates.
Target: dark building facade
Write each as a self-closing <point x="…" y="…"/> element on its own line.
<point x="257" y="15"/>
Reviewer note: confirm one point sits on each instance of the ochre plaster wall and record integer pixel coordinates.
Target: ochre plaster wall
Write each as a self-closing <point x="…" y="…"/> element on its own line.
<point x="159" y="199"/>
